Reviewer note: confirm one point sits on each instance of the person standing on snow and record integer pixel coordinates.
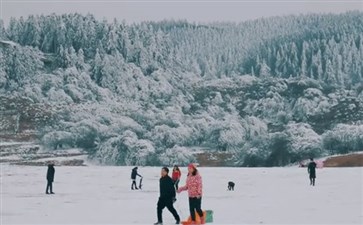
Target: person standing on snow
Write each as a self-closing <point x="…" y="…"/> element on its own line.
<point x="133" y="177"/>
<point x="194" y="187"/>
<point x="50" y="179"/>
<point x="312" y="171"/>
<point x="167" y="197"/>
<point x="176" y="176"/>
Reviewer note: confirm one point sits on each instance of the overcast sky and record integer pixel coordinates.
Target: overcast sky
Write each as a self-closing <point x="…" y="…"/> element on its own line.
<point x="192" y="10"/>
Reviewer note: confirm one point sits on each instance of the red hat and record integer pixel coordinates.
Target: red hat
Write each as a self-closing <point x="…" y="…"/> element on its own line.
<point x="192" y="165"/>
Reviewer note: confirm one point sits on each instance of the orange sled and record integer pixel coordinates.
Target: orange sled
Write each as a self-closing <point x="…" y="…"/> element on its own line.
<point x="197" y="219"/>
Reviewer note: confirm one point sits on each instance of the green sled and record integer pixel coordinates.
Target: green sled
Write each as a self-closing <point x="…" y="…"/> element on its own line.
<point x="209" y="216"/>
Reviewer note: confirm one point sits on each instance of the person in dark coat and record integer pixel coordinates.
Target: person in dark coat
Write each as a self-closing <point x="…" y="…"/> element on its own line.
<point x="133" y="177"/>
<point x="312" y="171"/>
<point x="167" y="197"/>
<point x="50" y="179"/>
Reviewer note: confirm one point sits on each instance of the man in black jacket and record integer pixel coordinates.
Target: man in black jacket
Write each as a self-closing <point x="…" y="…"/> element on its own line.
<point x="167" y="196"/>
<point x="134" y="173"/>
<point x="312" y="171"/>
<point x="50" y="178"/>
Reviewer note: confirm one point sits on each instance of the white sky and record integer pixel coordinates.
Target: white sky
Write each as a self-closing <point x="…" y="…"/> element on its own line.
<point x="192" y="10"/>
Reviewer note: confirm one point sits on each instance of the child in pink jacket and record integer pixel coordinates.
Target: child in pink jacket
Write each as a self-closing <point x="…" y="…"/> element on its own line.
<point x="194" y="187"/>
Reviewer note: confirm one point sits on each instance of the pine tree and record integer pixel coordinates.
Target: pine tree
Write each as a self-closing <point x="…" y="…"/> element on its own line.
<point x="3" y="75"/>
<point x="279" y="64"/>
<point x="329" y="73"/>
<point x="125" y="43"/>
<point x="31" y="32"/>
<point x="61" y="34"/>
<point x="97" y="67"/>
<point x="14" y="30"/>
<point x="304" y="66"/>
<point x="80" y="64"/>
<point x="112" y="43"/>
<point x="62" y="57"/>
<point x="2" y="30"/>
<point x="265" y="70"/>
<point x="294" y="60"/>
<point x="72" y="57"/>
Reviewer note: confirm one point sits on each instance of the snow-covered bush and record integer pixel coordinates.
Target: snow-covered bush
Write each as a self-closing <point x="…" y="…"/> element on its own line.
<point x="167" y="137"/>
<point x="177" y="155"/>
<point x="344" y="138"/>
<point x="279" y="145"/>
<point x="267" y="107"/>
<point x="255" y="127"/>
<point x="126" y="149"/>
<point x="85" y="134"/>
<point x="58" y="139"/>
<point x="312" y="103"/>
<point x="305" y="142"/>
<point x="232" y="135"/>
<point x="59" y="96"/>
<point x="254" y="153"/>
<point x="140" y="152"/>
<point x="253" y="157"/>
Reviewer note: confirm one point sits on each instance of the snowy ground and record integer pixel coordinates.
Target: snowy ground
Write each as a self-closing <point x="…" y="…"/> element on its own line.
<point x="102" y="195"/>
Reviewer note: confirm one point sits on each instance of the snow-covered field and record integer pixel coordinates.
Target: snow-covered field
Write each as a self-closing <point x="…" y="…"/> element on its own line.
<point x="102" y="195"/>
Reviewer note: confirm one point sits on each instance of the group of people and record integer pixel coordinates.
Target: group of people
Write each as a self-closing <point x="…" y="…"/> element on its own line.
<point x="169" y="188"/>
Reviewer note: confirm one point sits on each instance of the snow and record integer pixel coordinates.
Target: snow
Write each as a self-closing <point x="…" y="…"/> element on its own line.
<point x="63" y="158"/>
<point x="102" y="195"/>
<point x="67" y="151"/>
<point x="14" y="143"/>
<point x="11" y="43"/>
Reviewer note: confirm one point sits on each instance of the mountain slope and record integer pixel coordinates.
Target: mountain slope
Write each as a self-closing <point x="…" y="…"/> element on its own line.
<point x="267" y="92"/>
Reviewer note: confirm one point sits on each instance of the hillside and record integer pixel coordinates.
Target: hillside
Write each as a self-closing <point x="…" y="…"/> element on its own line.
<point x="29" y="154"/>
<point x="350" y="160"/>
<point x="267" y="92"/>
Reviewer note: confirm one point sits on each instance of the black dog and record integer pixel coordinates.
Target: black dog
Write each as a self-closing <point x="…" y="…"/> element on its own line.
<point x="230" y="186"/>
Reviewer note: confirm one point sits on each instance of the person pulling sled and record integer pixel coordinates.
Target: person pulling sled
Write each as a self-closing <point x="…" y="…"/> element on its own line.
<point x="134" y="173"/>
<point x="194" y="187"/>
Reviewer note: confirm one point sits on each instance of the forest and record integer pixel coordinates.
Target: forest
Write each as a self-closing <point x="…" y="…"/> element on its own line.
<point x="269" y="92"/>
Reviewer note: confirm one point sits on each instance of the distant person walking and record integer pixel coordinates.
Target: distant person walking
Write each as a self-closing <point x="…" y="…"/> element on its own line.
<point x="194" y="187"/>
<point x="312" y="171"/>
<point x="167" y="197"/>
<point x="50" y="179"/>
<point x="134" y="173"/>
<point x="176" y="176"/>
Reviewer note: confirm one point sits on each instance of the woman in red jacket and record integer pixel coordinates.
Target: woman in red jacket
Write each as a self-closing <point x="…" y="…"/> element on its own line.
<point x="176" y="176"/>
<point x="194" y="187"/>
